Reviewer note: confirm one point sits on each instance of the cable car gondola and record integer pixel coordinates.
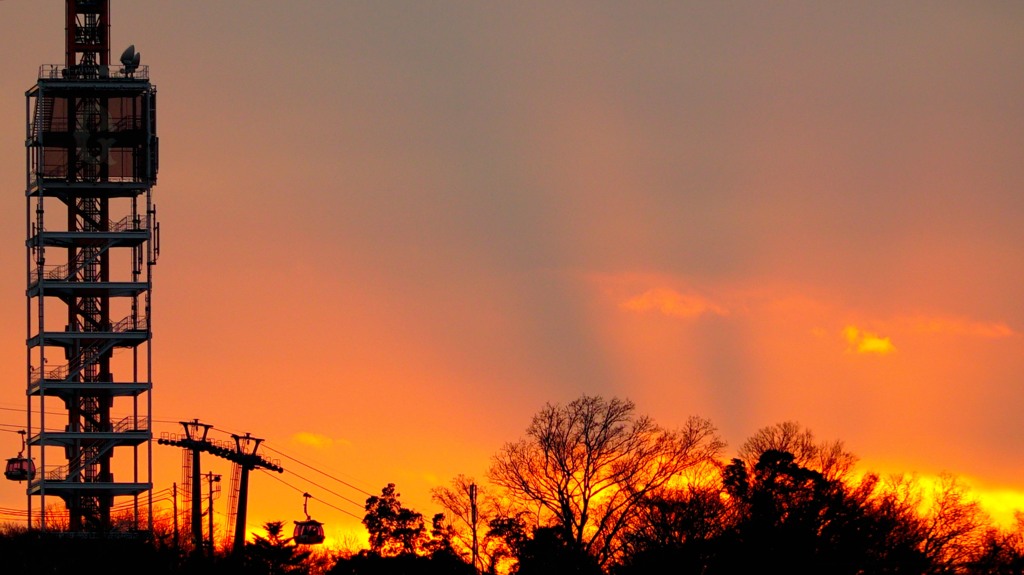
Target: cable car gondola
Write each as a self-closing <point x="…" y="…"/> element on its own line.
<point x="20" y="468"/>
<point x="310" y="531"/>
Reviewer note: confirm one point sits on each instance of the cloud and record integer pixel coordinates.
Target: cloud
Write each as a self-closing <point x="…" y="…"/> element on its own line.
<point x="962" y="327"/>
<point x="864" y="342"/>
<point x="315" y="440"/>
<point x="672" y="303"/>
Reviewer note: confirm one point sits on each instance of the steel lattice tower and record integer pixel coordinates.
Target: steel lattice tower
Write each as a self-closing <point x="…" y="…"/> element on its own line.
<point x="92" y="241"/>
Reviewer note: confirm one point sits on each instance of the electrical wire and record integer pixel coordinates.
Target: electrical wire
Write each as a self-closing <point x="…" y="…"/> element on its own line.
<point x="335" y="493"/>
<point x="311" y="496"/>
<point x="321" y="472"/>
<point x="324" y="473"/>
<point x="306" y="479"/>
<point x="163" y="496"/>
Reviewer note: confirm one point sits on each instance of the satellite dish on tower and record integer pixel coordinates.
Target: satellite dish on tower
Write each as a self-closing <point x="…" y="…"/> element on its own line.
<point x="130" y="58"/>
<point x="128" y="55"/>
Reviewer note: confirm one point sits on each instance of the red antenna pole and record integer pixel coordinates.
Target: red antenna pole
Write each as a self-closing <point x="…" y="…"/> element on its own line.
<point x="87" y="30"/>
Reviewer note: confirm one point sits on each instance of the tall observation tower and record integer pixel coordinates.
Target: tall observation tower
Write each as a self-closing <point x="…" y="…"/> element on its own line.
<point x="92" y="241"/>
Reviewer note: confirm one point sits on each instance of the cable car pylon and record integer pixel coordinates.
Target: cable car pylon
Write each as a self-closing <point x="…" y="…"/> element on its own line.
<point x="243" y="456"/>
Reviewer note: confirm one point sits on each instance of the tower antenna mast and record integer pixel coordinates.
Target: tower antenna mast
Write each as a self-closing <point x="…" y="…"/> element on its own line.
<point x="92" y="242"/>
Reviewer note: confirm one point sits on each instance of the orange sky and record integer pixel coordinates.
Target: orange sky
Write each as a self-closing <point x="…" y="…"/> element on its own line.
<point x="393" y="230"/>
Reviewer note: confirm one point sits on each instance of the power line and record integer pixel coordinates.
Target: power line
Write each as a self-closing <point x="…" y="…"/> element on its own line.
<point x="327" y="489"/>
<point x="22" y="410"/>
<point x="312" y="497"/>
<point x="281" y="453"/>
<point x="324" y="473"/>
<point x="167" y="421"/>
<point x="306" y="479"/>
<point x="335" y="493"/>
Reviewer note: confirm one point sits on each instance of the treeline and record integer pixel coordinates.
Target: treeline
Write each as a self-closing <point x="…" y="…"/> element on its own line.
<point x="593" y="488"/>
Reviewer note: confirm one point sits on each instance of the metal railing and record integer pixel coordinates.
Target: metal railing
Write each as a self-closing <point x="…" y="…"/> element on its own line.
<point x="76" y="466"/>
<point x="57" y="272"/>
<point x="128" y="223"/>
<point x="226" y="445"/>
<point x="168" y="436"/>
<point x="64" y="272"/>
<point x="58" y="373"/>
<point x="83" y="72"/>
<point x="125" y="224"/>
<point x="131" y="324"/>
<point x="89" y="354"/>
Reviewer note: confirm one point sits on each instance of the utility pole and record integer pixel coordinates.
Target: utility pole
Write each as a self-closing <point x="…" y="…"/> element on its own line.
<point x="211" y="479"/>
<point x="473" y="520"/>
<point x="174" y="508"/>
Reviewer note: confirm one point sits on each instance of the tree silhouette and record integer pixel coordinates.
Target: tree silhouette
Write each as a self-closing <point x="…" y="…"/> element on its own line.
<point x="547" y="553"/>
<point x="681" y="527"/>
<point x="467" y="519"/>
<point x="829" y="458"/>
<point x="394" y="530"/>
<point x="778" y="507"/>
<point x="588" y="464"/>
<point x="765" y="512"/>
<point x="1000" y="552"/>
<point x="789" y="518"/>
<point x="506" y="538"/>
<point x="440" y="542"/>
<point x="953" y="527"/>
<point x="274" y="554"/>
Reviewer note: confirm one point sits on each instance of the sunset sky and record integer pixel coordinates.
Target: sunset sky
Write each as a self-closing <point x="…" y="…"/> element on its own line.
<point x="393" y="230"/>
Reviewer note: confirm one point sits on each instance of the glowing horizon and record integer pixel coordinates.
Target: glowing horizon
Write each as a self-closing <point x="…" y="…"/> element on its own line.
<point x="391" y="232"/>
